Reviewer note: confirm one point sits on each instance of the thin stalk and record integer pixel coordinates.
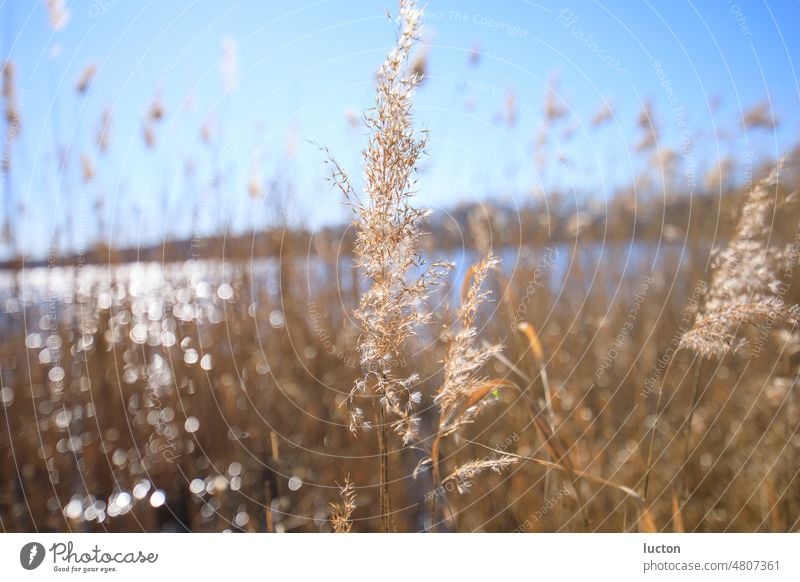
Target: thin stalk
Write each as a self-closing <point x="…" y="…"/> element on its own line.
<point x="570" y="470"/>
<point x="553" y="446"/>
<point x="438" y="486"/>
<point x="383" y="451"/>
<point x="653" y="431"/>
<point x="688" y="428"/>
<point x="437" y="479"/>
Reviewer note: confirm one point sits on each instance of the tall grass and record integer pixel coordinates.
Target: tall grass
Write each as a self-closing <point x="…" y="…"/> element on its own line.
<point x="549" y="382"/>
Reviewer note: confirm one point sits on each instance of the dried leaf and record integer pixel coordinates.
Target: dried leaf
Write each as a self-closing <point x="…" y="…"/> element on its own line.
<point x="533" y="339"/>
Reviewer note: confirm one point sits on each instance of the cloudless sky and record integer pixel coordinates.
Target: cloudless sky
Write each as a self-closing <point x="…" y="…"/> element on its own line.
<point x="303" y="67"/>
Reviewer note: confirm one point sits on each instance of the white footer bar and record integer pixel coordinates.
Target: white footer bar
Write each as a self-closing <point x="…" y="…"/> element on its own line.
<point x="401" y="557"/>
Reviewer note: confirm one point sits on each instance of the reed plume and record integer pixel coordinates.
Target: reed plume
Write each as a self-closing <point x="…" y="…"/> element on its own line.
<point x="10" y="93"/>
<point x="387" y="234"/>
<point x="103" y="133"/>
<point x="604" y="114"/>
<point x="387" y="248"/>
<point x="85" y="80"/>
<point x="463" y="359"/>
<point x="464" y="475"/>
<point x="646" y="122"/>
<point x="553" y="105"/>
<point x="58" y="14"/>
<point x="12" y="112"/>
<point x="465" y="391"/>
<point x="760" y="116"/>
<point x="744" y="288"/>
<point x="341" y="513"/>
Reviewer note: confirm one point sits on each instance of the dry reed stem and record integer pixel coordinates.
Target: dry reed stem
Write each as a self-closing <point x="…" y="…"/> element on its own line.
<point x="569" y="470"/>
<point x="463" y="391"/>
<point x="538" y="354"/>
<point x="687" y="433"/>
<point x="677" y="516"/>
<point x="387" y="249"/>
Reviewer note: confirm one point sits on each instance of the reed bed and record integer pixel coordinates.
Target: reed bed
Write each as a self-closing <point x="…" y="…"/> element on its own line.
<point x="584" y="380"/>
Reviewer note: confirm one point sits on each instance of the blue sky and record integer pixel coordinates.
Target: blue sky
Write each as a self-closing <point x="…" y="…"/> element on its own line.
<point x="303" y="65"/>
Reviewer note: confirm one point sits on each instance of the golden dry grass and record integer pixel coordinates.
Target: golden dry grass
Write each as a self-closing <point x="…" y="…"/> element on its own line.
<point x="554" y="385"/>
